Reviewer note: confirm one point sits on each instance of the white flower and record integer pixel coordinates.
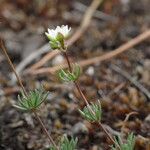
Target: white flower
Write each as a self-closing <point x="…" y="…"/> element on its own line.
<point x="52" y="34"/>
<point x="64" y="30"/>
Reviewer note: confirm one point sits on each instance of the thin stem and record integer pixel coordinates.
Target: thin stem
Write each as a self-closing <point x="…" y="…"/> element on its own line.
<point x="85" y="99"/>
<point x="68" y="61"/>
<point x="45" y="130"/>
<point x="24" y="91"/>
<point x="77" y="84"/>
<point x="108" y="135"/>
<point x="101" y="126"/>
<point x="12" y="67"/>
<point x="81" y="93"/>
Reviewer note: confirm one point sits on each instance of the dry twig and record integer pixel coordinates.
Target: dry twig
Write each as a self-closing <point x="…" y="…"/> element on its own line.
<point x="81" y="29"/>
<point x="94" y="60"/>
<point x="126" y="119"/>
<point x="132" y="80"/>
<point x="98" y="14"/>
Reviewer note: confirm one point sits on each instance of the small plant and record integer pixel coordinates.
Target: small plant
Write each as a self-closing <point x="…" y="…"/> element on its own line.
<point x="129" y="145"/>
<point x="66" y="144"/>
<point x="92" y="114"/>
<point x="57" y="39"/>
<point x="31" y="101"/>
<point x="66" y="75"/>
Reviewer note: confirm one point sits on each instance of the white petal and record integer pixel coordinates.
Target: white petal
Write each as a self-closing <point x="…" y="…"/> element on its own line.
<point x="64" y="30"/>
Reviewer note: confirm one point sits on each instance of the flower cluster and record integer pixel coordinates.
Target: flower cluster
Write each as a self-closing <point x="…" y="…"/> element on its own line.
<point x="57" y="36"/>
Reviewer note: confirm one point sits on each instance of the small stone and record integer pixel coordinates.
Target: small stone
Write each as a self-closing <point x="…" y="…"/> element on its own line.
<point x="58" y="124"/>
<point x="29" y="119"/>
<point x="90" y="71"/>
<point x="16" y="124"/>
<point x="147" y="119"/>
<point x="133" y="94"/>
<point x="58" y="60"/>
<point x="79" y="128"/>
<point x="64" y="104"/>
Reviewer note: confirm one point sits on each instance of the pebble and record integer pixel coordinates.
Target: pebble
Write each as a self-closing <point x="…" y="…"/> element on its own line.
<point x="16" y="124"/>
<point x="29" y="120"/>
<point x="58" y="124"/>
<point x="79" y="128"/>
<point x="58" y="60"/>
<point x="90" y="71"/>
<point x="147" y="119"/>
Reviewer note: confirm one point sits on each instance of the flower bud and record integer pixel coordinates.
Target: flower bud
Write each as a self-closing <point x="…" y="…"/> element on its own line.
<point x="58" y="36"/>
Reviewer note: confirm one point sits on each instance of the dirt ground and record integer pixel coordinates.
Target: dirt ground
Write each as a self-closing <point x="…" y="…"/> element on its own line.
<point x="22" y="27"/>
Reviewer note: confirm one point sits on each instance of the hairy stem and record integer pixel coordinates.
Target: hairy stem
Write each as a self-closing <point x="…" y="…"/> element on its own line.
<point x="85" y="99"/>
<point x="24" y="91"/>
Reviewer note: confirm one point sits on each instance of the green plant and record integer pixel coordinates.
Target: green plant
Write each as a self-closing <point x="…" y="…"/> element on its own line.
<point x="66" y="144"/>
<point x="32" y="100"/>
<point x="90" y="112"/>
<point x="66" y="75"/>
<point x="56" y="37"/>
<point x="129" y="145"/>
<point x="94" y="114"/>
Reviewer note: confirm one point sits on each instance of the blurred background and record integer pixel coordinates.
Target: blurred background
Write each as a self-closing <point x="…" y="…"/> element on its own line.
<point x="22" y="27"/>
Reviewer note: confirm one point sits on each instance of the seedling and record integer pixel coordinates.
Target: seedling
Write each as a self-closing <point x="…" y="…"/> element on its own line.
<point x="129" y="145"/>
<point x="67" y="144"/>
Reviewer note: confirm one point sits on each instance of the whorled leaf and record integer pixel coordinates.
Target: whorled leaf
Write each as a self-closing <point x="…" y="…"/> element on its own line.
<point x="129" y="145"/>
<point x="68" y="76"/>
<point x="66" y="144"/>
<point x="32" y="100"/>
<point x="92" y="112"/>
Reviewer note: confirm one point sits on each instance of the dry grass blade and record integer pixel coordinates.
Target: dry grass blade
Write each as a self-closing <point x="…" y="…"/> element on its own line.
<point x="81" y="29"/>
<point x="133" y="81"/>
<point x="143" y="36"/>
